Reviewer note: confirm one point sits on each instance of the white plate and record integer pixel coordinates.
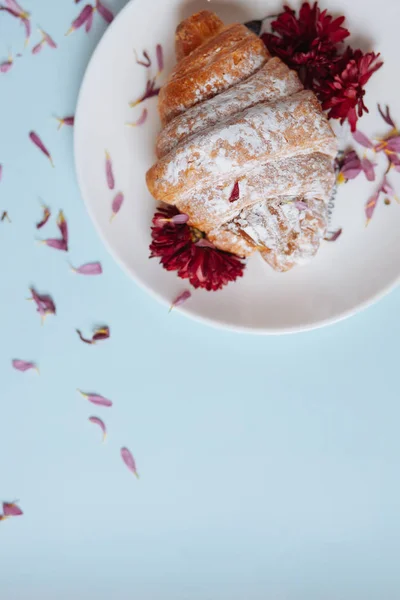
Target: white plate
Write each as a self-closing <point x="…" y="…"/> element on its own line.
<point x="345" y="276"/>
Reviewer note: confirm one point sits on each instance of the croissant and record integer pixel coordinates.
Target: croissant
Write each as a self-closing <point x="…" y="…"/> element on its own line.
<point x="234" y="118"/>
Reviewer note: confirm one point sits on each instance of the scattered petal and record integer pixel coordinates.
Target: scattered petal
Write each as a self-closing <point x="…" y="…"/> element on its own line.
<point x="116" y="204"/>
<point x="362" y="139"/>
<point x="235" y="193"/>
<point x="23" y="365"/>
<point x="371" y="205"/>
<point x="94" y="268"/>
<point x="65" y="121"/>
<point x="333" y="236"/>
<point x="82" y="18"/>
<point x="89" y="23"/>
<point x="38" y="142"/>
<point x="151" y="90"/>
<point x="55" y="243"/>
<point x="44" y="304"/>
<point x="393" y="144"/>
<point x="204" y="243"/>
<point x="6" y="65"/>
<point x="142" y="119"/>
<point x="179" y="219"/>
<point x="147" y="60"/>
<point x="109" y="172"/>
<point x="104" y="12"/>
<point x="300" y="205"/>
<point x="368" y="168"/>
<point x="5" y="217"/>
<point x="102" y="333"/>
<point x="1" y="172"/>
<point x="48" y="39"/>
<point x="101" y="424"/>
<point x="96" y="399"/>
<point x="129" y="461"/>
<point x="63" y="227"/>
<point x="350" y="167"/>
<point x="160" y="58"/>
<point x="36" y="49"/>
<point x="180" y="299"/>
<point x="387" y="116"/>
<point x="10" y="509"/>
<point x="45" y="218"/>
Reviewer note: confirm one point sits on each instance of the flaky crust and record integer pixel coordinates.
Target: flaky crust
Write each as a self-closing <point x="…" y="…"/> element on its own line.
<point x="223" y="61"/>
<point x="195" y="31"/>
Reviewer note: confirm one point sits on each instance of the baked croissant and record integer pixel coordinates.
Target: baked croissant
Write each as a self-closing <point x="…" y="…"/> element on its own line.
<point x="236" y="119"/>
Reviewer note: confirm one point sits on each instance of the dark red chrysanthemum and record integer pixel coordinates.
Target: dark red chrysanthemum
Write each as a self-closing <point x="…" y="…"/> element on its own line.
<point x="177" y="246"/>
<point x="307" y="43"/>
<point x="343" y="94"/>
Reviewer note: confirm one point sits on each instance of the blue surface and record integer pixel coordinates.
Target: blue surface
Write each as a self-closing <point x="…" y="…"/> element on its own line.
<point x="269" y="466"/>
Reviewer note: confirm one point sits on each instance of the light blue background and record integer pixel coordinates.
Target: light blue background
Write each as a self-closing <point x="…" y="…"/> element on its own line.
<point x="269" y="466"/>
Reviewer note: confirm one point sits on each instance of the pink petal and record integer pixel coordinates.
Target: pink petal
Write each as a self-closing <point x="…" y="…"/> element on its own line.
<point x="38" y="142"/>
<point x="386" y="188"/>
<point x="36" y="49"/>
<point x="48" y="39"/>
<point x="235" y="193"/>
<point x="180" y="299"/>
<point x="109" y="172"/>
<point x="393" y="144"/>
<point x="142" y="119"/>
<point x="55" y="243"/>
<point x="44" y="303"/>
<point x="368" y="169"/>
<point x="179" y="219"/>
<point x="23" y="365"/>
<point x="351" y="173"/>
<point x="14" y="6"/>
<point x="96" y="399"/>
<point x="81" y="19"/>
<point x="6" y="66"/>
<point x="101" y="424"/>
<point x="371" y="205"/>
<point x="300" y="205"/>
<point x="27" y="25"/>
<point x="160" y="57"/>
<point x="104" y="12"/>
<point x="362" y="139"/>
<point x="333" y="236"/>
<point x="63" y="227"/>
<point x="45" y="218"/>
<point x="10" y="509"/>
<point x="89" y="23"/>
<point x="70" y="121"/>
<point x="128" y="459"/>
<point x="386" y="116"/>
<point x="102" y="333"/>
<point x="89" y="269"/>
<point x="1" y="172"/>
<point x="117" y="203"/>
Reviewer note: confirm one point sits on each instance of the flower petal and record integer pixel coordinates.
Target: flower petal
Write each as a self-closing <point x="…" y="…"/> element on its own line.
<point x="144" y="63"/>
<point x="10" y="509"/>
<point x="63" y="227"/>
<point x="368" y="169"/>
<point x="150" y="92"/>
<point x="102" y="333"/>
<point x="66" y="121"/>
<point x="387" y="116"/>
<point x="48" y="39"/>
<point x="38" y="142"/>
<point x="96" y="399"/>
<point x="4" y="216"/>
<point x="93" y="268"/>
<point x="128" y="459"/>
<point x="160" y="58"/>
<point x="371" y="205"/>
<point x="89" y="23"/>
<point x="101" y="424"/>
<point x="23" y="365"/>
<point x="6" y="66"/>
<point x="362" y="139"/>
<point x="300" y="205"/>
<point x="333" y="236"/>
<point x="45" y="218"/>
<point x="235" y="193"/>
<point x="204" y="243"/>
<point x="141" y="120"/>
<point x="81" y="19"/>
<point x="116" y="204"/>
<point x="55" y="243"/>
<point x="180" y="299"/>
<point x="1" y="172"/>
<point x="104" y="12"/>
<point x="83" y="339"/>
<point x="109" y="172"/>
<point x="44" y="303"/>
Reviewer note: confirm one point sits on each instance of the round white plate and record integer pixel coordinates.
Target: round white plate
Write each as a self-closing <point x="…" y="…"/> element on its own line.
<point x="347" y="275"/>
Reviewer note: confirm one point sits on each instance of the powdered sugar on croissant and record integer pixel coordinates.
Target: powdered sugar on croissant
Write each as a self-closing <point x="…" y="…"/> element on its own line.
<point x="232" y="114"/>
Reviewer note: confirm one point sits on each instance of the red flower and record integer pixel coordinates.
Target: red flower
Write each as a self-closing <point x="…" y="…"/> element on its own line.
<point x="343" y="95"/>
<point x="177" y="246"/>
<point x="307" y="43"/>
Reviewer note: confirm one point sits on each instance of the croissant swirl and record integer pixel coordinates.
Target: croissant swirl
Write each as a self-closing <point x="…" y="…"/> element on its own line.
<point x="231" y="115"/>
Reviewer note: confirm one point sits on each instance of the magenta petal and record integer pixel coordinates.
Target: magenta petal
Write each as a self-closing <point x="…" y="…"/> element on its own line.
<point x="109" y="172"/>
<point x="81" y="19"/>
<point x="101" y="424"/>
<point x="14" y="6"/>
<point x="128" y="459"/>
<point x="393" y="144"/>
<point x="89" y="23"/>
<point x="104" y="12"/>
<point x="300" y="205"/>
<point x="10" y="509"/>
<point x="48" y="39"/>
<point x="362" y="139"/>
<point x="351" y="173"/>
<point x="96" y="399"/>
<point x="6" y="66"/>
<point x="57" y="244"/>
<point x="368" y="169"/>
<point x="204" y="243"/>
<point x="386" y="116"/>
<point x="36" y="49"/>
<point x="235" y="194"/>
<point x="160" y="57"/>
<point x="117" y="203"/>
<point x="141" y="120"/>
<point x="38" y="142"/>
<point x="27" y="25"/>
<point x="183" y="297"/>
<point x="333" y="236"/>
<point x="23" y="365"/>
<point x="179" y="219"/>
<point x="371" y="205"/>
<point x="94" y="268"/>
